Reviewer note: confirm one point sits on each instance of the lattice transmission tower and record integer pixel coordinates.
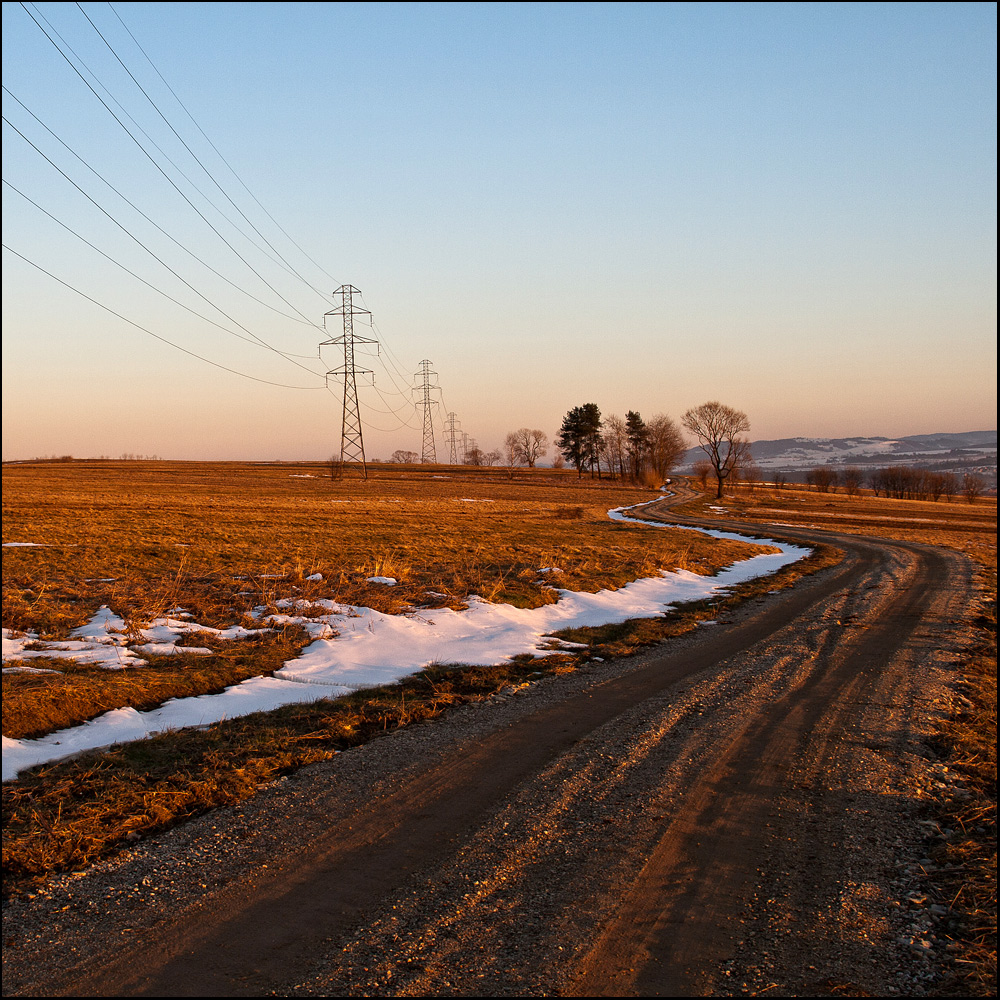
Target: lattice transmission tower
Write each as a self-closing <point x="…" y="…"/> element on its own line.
<point x="428" y="454"/>
<point x="453" y="437"/>
<point x="352" y="443"/>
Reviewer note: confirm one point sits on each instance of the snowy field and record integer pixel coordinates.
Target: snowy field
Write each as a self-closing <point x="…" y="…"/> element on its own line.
<point x="354" y="647"/>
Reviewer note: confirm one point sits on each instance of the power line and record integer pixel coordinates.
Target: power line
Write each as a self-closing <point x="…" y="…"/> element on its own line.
<point x="150" y="285"/>
<point x="216" y="149"/>
<point x="132" y="205"/>
<point x="278" y="258"/>
<point x="158" y="259"/>
<point x="138" y="326"/>
<point x="152" y="160"/>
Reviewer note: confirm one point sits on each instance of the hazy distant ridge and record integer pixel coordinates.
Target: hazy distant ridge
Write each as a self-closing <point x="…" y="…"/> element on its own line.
<point x="967" y="451"/>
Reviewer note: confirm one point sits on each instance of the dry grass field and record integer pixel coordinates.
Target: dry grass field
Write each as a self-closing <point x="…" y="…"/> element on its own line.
<point x="222" y="540"/>
<point x="969" y="528"/>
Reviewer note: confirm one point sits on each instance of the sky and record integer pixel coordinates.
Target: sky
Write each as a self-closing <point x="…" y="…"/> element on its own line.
<point x="790" y="208"/>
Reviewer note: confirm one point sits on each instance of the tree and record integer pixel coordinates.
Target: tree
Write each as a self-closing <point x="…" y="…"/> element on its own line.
<point x="750" y="476"/>
<point x="852" y="478"/>
<point x="613" y="444"/>
<point x="718" y="429"/>
<point x="973" y="485"/>
<point x="529" y="445"/>
<point x="666" y="445"/>
<point x="579" y="437"/>
<point x="701" y="471"/>
<point x="822" y="478"/>
<point x="511" y="456"/>
<point x="404" y="457"/>
<point x="638" y="439"/>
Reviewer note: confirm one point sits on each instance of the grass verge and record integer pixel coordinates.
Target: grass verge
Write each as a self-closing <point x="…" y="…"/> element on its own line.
<point x="965" y="879"/>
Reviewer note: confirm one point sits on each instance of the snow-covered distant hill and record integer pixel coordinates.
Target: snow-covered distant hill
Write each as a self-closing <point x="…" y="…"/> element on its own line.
<point x="973" y="451"/>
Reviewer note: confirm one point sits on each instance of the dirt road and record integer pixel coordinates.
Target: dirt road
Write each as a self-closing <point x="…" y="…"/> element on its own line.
<point x="732" y="813"/>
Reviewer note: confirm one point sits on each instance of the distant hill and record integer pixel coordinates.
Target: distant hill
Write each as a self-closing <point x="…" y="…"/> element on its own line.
<point x="972" y="451"/>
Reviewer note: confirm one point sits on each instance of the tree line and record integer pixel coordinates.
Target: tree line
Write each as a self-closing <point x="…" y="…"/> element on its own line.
<point x="647" y="451"/>
<point x="899" y="482"/>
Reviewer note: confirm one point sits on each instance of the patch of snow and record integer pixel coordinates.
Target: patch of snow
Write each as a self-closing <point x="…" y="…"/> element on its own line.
<point x="170" y="649"/>
<point x="388" y="581"/>
<point x="123" y="725"/>
<point x="26" y="545"/>
<point x="356" y="647"/>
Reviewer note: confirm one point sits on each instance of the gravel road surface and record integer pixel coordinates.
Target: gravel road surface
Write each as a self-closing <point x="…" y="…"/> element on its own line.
<point x="734" y="812"/>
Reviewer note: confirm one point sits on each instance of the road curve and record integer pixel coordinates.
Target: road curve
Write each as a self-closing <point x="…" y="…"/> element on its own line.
<point x="721" y="814"/>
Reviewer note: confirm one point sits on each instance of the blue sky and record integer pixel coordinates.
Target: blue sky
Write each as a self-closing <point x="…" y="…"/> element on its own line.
<point x="787" y="207"/>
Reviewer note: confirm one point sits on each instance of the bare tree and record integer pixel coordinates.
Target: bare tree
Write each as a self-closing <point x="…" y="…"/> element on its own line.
<point x="404" y="457"/>
<point x="666" y="445"/>
<point x="852" y="478"/>
<point x="972" y="486"/>
<point x="718" y="429"/>
<point x="531" y="444"/>
<point x="614" y="440"/>
<point x="702" y="469"/>
<point x="750" y="475"/>
<point x="511" y="454"/>
<point x="822" y="478"/>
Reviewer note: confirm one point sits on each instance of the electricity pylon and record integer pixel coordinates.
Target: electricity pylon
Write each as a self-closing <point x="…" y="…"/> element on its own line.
<point x="452" y="436"/>
<point x="352" y="443"/>
<point x="428" y="454"/>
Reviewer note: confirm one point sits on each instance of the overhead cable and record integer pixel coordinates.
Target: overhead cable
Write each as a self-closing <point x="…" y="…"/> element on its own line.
<point x="139" y="326"/>
<point x="165" y="175"/>
<point x="218" y="152"/>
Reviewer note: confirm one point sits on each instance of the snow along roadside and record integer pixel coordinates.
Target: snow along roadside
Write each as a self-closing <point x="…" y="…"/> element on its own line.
<point x="357" y="647"/>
